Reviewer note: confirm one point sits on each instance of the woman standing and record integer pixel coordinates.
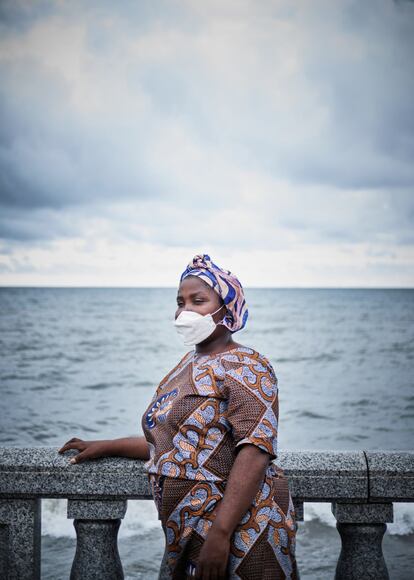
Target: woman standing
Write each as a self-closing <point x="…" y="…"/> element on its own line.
<point x="210" y="438"/>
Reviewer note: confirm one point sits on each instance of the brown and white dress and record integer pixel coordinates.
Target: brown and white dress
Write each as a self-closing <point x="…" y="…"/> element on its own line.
<point x="203" y="410"/>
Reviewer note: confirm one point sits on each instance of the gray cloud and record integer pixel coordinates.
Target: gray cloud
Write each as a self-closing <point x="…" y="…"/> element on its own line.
<point x="150" y="101"/>
<point x="19" y="15"/>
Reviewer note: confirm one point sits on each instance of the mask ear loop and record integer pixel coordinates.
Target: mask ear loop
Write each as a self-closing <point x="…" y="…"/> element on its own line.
<point x="221" y="321"/>
<point x="217" y="309"/>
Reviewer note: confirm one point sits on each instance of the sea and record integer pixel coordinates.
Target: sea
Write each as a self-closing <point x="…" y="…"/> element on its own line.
<point x="84" y="362"/>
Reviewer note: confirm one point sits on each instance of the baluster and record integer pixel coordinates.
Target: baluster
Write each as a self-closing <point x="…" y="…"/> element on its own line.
<point x="20" y="536"/>
<point x="298" y="505"/>
<point x="97" y="523"/>
<point x="362" y="527"/>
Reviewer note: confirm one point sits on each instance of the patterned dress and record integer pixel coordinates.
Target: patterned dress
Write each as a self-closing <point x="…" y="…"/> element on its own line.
<point x="201" y="413"/>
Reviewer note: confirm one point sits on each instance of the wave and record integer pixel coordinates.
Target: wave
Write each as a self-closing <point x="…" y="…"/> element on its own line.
<point x="359" y="403"/>
<point x="98" y="386"/>
<point x="322" y="357"/>
<point x="141" y="517"/>
<point x="312" y="415"/>
<point x="402" y="525"/>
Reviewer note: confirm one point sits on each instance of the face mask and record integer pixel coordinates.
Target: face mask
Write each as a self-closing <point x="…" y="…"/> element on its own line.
<point x="194" y="327"/>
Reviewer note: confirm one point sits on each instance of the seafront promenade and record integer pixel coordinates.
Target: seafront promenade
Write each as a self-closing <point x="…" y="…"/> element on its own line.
<point x="360" y="485"/>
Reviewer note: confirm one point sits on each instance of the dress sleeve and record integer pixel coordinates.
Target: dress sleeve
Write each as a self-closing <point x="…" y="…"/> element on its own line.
<point x="253" y="404"/>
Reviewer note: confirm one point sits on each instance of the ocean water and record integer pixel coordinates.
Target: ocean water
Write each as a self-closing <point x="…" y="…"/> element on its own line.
<point x="84" y="362"/>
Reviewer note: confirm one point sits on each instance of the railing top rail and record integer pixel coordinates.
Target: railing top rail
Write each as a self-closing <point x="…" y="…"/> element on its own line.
<point x="314" y="475"/>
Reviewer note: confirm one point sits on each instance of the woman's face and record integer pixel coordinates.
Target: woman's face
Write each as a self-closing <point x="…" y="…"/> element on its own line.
<point x="194" y="294"/>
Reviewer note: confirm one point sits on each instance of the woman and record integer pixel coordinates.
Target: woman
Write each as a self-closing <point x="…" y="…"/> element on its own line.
<point x="210" y="435"/>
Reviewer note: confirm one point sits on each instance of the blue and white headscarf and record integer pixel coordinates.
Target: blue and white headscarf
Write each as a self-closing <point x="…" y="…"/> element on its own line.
<point x="226" y="285"/>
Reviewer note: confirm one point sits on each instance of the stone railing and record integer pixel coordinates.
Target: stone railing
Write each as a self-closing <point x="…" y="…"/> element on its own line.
<point x="361" y="486"/>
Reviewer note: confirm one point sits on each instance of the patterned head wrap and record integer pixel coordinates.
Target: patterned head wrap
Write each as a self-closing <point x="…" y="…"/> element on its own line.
<point x="227" y="287"/>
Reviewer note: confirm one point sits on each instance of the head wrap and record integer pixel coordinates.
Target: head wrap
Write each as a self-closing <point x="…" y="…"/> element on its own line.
<point x="225" y="284"/>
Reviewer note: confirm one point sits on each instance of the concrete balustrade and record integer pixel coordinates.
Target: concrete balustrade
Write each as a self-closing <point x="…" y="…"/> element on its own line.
<point x="360" y="485"/>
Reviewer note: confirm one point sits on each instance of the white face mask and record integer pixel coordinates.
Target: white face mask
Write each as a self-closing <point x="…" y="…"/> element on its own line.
<point x="194" y="327"/>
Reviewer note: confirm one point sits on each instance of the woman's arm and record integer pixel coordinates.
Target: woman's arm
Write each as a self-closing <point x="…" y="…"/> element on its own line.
<point x="242" y="486"/>
<point x="135" y="447"/>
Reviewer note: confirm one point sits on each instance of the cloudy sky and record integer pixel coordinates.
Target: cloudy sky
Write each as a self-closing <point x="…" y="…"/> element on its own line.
<point x="276" y="136"/>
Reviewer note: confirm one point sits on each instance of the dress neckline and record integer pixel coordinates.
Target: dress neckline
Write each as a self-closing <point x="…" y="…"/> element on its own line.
<point x="197" y="355"/>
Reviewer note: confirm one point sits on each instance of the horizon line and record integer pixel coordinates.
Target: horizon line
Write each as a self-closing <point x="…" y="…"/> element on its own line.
<point x="87" y="287"/>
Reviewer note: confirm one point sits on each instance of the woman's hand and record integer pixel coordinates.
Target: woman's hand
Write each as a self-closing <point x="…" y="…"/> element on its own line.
<point x="88" y="449"/>
<point x="213" y="557"/>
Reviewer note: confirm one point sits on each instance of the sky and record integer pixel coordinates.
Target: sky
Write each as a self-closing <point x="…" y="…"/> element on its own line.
<point x="277" y="137"/>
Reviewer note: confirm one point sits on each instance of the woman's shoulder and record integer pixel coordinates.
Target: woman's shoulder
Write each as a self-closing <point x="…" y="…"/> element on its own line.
<point x="245" y="356"/>
<point x="249" y="370"/>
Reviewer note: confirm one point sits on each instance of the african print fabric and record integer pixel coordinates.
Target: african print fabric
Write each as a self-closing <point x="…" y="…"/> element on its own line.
<point x="201" y="413"/>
